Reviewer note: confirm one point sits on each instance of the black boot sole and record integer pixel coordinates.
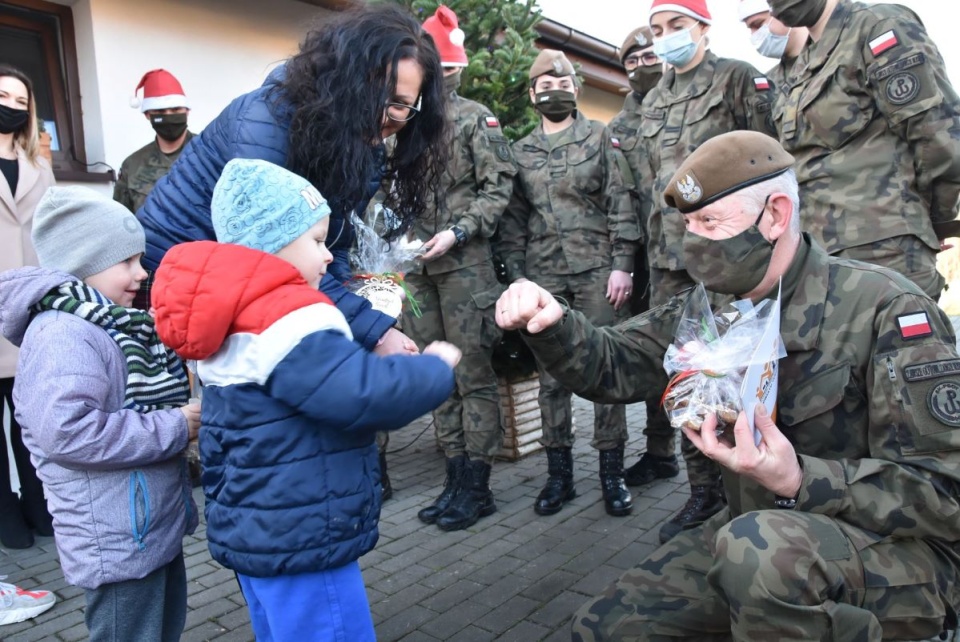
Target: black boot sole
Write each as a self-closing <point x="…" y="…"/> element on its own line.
<point x="618" y="512"/>
<point x="551" y="510"/>
<point x="429" y="519"/>
<point x="486" y="511"/>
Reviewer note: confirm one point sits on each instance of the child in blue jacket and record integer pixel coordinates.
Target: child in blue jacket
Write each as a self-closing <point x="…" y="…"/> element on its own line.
<point x="291" y="404"/>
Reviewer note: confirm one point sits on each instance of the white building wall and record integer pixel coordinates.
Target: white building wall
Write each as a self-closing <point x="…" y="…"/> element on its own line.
<point x="218" y="49"/>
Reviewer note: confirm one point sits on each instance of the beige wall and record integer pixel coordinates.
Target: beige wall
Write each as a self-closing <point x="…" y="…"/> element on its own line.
<point x="949" y="264"/>
<point x="597" y="104"/>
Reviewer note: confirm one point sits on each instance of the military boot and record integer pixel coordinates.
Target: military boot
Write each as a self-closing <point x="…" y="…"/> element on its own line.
<point x="475" y="499"/>
<point x="616" y="497"/>
<point x="650" y="468"/>
<point x="451" y="487"/>
<point x="559" y="488"/>
<point x="386" y="489"/>
<point x="704" y="501"/>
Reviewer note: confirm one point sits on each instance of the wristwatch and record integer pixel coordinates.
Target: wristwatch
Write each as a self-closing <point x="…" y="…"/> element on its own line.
<point x="785" y="503"/>
<point x="460" y="235"/>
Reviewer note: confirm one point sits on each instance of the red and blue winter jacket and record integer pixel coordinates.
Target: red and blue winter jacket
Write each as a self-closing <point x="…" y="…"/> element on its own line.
<point x="291" y="405"/>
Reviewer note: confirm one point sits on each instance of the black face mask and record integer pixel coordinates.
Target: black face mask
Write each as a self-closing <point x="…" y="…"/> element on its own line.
<point x="12" y="120"/>
<point x="555" y="105"/>
<point x="729" y="266"/>
<point x="451" y="83"/>
<point x="643" y="79"/>
<point x="798" y="13"/>
<point x="169" y="127"/>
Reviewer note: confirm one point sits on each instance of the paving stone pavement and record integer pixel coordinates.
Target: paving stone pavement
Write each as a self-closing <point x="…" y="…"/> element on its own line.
<point x="514" y="576"/>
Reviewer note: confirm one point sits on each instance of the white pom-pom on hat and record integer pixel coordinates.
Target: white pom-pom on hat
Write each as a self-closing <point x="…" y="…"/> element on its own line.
<point x="457" y="37"/>
<point x="134" y="102"/>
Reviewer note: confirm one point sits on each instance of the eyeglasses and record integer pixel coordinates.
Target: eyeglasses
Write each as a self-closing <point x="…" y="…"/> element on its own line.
<point x="646" y="59"/>
<point x="401" y="113"/>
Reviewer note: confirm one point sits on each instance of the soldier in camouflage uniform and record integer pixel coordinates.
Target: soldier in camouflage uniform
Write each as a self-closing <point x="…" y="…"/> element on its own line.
<point x="875" y="127"/>
<point x="773" y="39"/>
<point x="572" y="225"/>
<point x="165" y="107"/>
<point x="644" y="71"/>
<point x="844" y="523"/>
<point x="700" y="97"/>
<point x="457" y="288"/>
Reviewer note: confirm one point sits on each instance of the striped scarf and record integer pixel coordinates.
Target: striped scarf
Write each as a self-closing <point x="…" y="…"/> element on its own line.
<point x="156" y="378"/>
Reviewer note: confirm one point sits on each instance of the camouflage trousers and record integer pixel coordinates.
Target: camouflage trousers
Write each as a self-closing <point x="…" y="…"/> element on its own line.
<point x="661" y="436"/>
<point x="460" y="307"/>
<point x="907" y="255"/>
<point x="586" y="293"/>
<point x="777" y="575"/>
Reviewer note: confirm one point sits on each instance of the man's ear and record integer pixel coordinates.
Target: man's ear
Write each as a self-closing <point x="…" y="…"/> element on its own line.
<point x="533" y="96"/>
<point x="781" y="210"/>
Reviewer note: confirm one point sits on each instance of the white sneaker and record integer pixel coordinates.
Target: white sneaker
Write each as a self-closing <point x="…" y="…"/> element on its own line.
<point x="17" y="605"/>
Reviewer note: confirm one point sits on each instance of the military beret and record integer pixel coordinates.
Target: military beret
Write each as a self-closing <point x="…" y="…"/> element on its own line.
<point x="553" y="62"/>
<point x="723" y="165"/>
<point x="639" y="38"/>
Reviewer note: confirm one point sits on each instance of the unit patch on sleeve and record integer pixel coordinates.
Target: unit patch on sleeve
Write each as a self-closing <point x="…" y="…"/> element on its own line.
<point x="932" y="370"/>
<point x="615" y="141"/>
<point x="884" y="42"/>
<point x="761" y="83"/>
<point x="914" y="325"/>
<point x="491" y="121"/>
<point x="944" y="403"/>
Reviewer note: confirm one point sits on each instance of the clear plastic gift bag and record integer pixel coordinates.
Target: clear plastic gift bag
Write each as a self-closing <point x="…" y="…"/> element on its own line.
<point x="712" y="354"/>
<point x="379" y="265"/>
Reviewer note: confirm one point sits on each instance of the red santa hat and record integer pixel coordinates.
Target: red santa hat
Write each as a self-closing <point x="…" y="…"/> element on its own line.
<point x="696" y="9"/>
<point x="750" y="8"/>
<point x="160" y="91"/>
<point x="444" y="28"/>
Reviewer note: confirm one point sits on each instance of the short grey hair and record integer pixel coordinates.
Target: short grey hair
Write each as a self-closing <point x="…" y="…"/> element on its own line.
<point x="753" y="196"/>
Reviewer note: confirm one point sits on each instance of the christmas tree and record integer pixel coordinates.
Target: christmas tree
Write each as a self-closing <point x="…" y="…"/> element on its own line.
<point x="499" y="40"/>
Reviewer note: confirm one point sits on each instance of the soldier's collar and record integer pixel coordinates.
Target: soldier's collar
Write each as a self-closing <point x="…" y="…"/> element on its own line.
<point x="702" y="79"/>
<point x="815" y="55"/>
<point x="807" y="283"/>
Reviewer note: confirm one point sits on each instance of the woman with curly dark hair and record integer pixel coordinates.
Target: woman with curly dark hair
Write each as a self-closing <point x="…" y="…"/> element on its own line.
<point x="369" y="74"/>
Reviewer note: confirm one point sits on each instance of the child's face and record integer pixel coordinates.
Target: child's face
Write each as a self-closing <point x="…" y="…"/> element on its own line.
<point x="121" y="282"/>
<point x="309" y="253"/>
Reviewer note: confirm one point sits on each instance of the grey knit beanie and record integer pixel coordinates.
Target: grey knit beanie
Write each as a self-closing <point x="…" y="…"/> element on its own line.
<point x="78" y="231"/>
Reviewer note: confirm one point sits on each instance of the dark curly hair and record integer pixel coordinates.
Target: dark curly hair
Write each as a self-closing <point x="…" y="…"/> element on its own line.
<point x="337" y="87"/>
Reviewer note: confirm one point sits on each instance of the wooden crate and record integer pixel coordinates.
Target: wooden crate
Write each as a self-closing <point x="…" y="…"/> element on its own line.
<point x="520" y="411"/>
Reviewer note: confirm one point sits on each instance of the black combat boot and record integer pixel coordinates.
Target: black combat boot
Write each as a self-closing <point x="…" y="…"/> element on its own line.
<point x="649" y="468"/>
<point x="386" y="490"/>
<point x="475" y="499"/>
<point x="451" y="487"/>
<point x="559" y="488"/>
<point x="704" y="501"/>
<point x="616" y="497"/>
<point x="14" y="530"/>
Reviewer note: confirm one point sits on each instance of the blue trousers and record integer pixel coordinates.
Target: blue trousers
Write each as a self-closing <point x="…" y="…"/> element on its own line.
<point x="327" y="605"/>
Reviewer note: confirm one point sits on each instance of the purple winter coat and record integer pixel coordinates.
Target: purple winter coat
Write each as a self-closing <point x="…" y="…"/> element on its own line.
<point x="115" y="480"/>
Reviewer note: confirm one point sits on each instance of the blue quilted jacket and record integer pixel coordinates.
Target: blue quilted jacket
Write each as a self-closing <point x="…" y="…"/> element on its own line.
<point x="254" y="125"/>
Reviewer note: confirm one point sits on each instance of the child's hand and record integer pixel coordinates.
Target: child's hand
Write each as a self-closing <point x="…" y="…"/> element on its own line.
<point x="446" y="351"/>
<point x="192" y="412"/>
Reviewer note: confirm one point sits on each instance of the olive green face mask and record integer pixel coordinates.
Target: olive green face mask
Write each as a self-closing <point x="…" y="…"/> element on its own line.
<point x="556" y="104"/>
<point x="798" y="13"/>
<point x="643" y="79"/>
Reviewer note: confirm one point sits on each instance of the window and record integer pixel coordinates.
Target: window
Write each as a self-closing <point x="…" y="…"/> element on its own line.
<point x="38" y="38"/>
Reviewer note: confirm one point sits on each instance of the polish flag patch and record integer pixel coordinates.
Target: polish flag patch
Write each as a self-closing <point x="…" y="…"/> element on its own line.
<point x="914" y="325"/>
<point x="884" y="42"/>
<point x="761" y="83"/>
<point x="492" y="121"/>
<point x="615" y="142"/>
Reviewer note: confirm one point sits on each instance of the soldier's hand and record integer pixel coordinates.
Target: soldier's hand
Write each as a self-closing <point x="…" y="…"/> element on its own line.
<point x="527" y="306"/>
<point x="395" y="342"/>
<point x="773" y="463"/>
<point x="439" y="245"/>
<point x="619" y="288"/>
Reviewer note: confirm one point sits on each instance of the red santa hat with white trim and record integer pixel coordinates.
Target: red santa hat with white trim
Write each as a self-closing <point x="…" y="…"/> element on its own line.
<point x="444" y="28"/>
<point x="696" y="9"/>
<point x="161" y="90"/>
<point x="750" y="8"/>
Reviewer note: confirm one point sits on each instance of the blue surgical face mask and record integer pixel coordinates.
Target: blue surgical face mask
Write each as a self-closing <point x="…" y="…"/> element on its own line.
<point x="677" y="49"/>
<point x="768" y="43"/>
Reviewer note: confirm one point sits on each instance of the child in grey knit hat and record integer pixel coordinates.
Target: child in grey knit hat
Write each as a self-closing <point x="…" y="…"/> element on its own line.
<point x="103" y="408"/>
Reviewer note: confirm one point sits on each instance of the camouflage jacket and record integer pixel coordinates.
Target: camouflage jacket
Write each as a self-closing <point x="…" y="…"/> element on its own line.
<point x="869" y="393"/>
<point x="874" y="124"/>
<point x="625" y="127"/>
<point x="723" y="95"/>
<point x="474" y="190"/>
<point x="572" y="209"/>
<point x="140" y="172"/>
